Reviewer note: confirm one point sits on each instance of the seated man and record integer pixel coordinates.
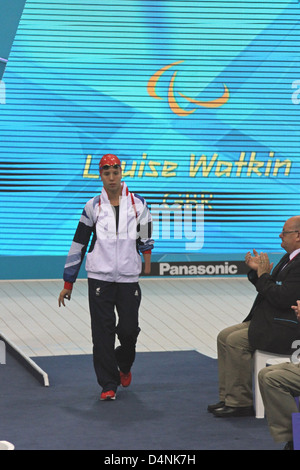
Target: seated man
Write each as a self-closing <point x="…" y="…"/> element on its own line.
<point x="279" y="384"/>
<point x="271" y="324"/>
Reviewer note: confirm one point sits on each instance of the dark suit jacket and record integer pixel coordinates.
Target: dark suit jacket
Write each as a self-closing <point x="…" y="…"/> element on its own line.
<point x="273" y="323"/>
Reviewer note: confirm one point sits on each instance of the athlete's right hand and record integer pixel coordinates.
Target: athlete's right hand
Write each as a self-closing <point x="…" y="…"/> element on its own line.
<point x="65" y="294"/>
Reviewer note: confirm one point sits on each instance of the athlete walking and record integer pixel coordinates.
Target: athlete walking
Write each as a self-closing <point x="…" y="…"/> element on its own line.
<point x="121" y="225"/>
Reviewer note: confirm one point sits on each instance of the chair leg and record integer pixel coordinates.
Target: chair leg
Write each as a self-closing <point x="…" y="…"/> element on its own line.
<point x="259" y="363"/>
<point x="2" y="353"/>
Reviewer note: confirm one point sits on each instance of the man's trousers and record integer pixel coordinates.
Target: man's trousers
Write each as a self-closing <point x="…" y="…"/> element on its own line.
<point x="279" y="384"/>
<point x="104" y="298"/>
<point x="235" y="363"/>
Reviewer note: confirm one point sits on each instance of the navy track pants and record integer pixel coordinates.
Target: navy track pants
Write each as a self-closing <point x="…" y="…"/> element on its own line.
<point x="114" y="310"/>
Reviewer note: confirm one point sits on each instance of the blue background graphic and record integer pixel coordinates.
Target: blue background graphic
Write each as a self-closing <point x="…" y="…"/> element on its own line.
<point x="76" y="87"/>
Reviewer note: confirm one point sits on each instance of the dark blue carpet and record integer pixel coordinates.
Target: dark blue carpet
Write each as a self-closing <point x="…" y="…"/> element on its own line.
<point x="163" y="409"/>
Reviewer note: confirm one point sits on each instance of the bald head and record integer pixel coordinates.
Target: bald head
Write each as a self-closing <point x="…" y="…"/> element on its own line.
<point x="290" y="235"/>
<point x="295" y="222"/>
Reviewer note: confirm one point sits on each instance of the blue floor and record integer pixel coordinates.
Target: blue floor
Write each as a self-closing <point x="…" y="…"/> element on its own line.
<point x="163" y="409"/>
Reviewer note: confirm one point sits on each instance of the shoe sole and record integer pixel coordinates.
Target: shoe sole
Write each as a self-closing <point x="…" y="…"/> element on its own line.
<point x="239" y="414"/>
<point x="108" y="398"/>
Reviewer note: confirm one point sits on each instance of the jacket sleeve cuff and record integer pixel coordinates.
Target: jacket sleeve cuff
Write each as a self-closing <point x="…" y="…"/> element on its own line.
<point x="68" y="285"/>
<point x="147" y="252"/>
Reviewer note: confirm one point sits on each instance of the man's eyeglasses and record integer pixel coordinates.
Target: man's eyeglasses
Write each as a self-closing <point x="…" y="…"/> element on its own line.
<point x="289" y="231"/>
<point x="107" y="167"/>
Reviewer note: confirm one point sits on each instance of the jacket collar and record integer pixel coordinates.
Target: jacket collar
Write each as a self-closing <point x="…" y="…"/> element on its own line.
<point x="285" y="261"/>
<point x="294" y="254"/>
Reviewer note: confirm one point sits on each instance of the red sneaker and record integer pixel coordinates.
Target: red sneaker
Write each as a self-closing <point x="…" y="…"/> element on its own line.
<point x="125" y="379"/>
<point x="110" y="395"/>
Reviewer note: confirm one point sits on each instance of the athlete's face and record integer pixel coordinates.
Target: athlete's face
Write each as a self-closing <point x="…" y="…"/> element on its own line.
<point x="111" y="178"/>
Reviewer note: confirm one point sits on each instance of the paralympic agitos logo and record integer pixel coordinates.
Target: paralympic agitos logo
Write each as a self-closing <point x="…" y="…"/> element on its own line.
<point x="174" y="106"/>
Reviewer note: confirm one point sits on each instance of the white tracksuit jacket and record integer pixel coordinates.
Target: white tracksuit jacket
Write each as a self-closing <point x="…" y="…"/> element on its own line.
<point x="114" y="255"/>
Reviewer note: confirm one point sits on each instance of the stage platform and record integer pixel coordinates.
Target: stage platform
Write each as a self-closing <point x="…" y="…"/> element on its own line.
<point x="174" y="375"/>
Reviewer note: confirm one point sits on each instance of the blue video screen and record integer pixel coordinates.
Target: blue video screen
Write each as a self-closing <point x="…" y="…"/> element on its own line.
<point x="200" y="100"/>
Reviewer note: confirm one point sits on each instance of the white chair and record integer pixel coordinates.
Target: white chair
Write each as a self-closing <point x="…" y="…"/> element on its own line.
<point x="261" y="360"/>
<point x="2" y="353"/>
<point x="5" y="445"/>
